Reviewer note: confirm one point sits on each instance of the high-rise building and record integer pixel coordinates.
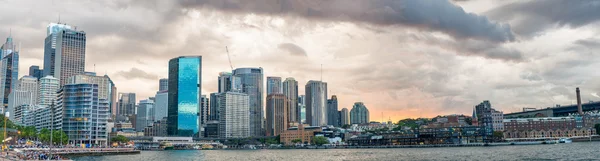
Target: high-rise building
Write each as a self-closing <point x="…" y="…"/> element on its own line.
<point x="214" y="106"/>
<point x="204" y="109"/>
<point x="85" y="115"/>
<point x="35" y="71"/>
<point x="30" y="84"/>
<point x="252" y="84"/>
<point x="234" y="121"/>
<point x="185" y="85"/>
<point x="344" y="117"/>
<point x="302" y="107"/>
<point x="161" y="105"/>
<point x="277" y="121"/>
<point x="332" y="112"/>
<point x="48" y="86"/>
<point x="126" y="104"/>
<point x="113" y="100"/>
<point x="316" y="103"/>
<point x="290" y="90"/>
<point x="359" y="114"/>
<point x="64" y="52"/>
<point x="163" y="84"/>
<point x="25" y="94"/>
<point x="145" y="115"/>
<point x="489" y="117"/>
<point x="9" y="70"/>
<point x="106" y="87"/>
<point x="274" y="85"/>
<point x="229" y="83"/>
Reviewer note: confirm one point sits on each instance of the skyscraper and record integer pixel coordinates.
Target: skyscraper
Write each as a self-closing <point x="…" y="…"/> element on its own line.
<point x="145" y="115"/>
<point x="126" y="104"/>
<point x="9" y="70"/>
<point x="252" y="84"/>
<point x="25" y="94"/>
<point x="185" y="78"/>
<point x="277" y="121"/>
<point x="359" y="114"/>
<point x="316" y="103"/>
<point x="161" y="105"/>
<point x="229" y="83"/>
<point x="204" y="108"/>
<point x="234" y="121"/>
<point x="290" y="90"/>
<point x="30" y="84"/>
<point x="64" y="53"/>
<point x="163" y="84"/>
<point x="214" y="106"/>
<point x="332" y="112"/>
<point x="344" y="117"/>
<point x="274" y="85"/>
<point x="48" y="86"/>
<point x="77" y="100"/>
<point x="35" y="71"/>
<point x="302" y="107"/>
<point x="106" y="87"/>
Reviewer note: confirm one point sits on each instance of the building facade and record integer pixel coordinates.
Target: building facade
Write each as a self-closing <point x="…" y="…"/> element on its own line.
<point x="547" y="127"/>
<point x="145" y="115"/>
<point x="303" y="132"/>
<point x="234" y="121"/>
<point x="252" y="84"/>
<point x="185" y="85"/>
<point x="274" y="85"/>
<point x="35" y="71"/>
<point x="50" y="46"/>
<point x="229" y="83"/>
<point x="163" y="84"/>
<point x="277" y="121"/>
<point x="9" y="70"/>
<point x="344" y="117"/>
<point x="106" y="88"/>
<point x="359" y="114"/>
<point x="126" y="104"/>
<point x="290" y="90"/>
<point x="85" y="115"/>
<point x="302" y="108"/>
<point x="48" y="86"/>
<point x="316" y="103"/>
<point x="204" y="109"/>
<point x="161" y="104"/>
<point x="333" y="117"/>
<point x="488" y="116"/>
<point x="68" y="54"/>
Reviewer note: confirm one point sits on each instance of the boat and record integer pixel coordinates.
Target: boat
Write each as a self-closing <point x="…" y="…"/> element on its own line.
<point x="166" y="145"/>
<point x="565" y="140"/>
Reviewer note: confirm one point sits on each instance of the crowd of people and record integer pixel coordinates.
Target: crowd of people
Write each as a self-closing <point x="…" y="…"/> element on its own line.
<point x="37" y="155"/>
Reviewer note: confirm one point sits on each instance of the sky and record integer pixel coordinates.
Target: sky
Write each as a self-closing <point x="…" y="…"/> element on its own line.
<point x="402" y="58"/>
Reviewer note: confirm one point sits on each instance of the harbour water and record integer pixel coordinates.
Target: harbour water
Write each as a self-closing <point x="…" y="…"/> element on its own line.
<point x="572" y="151"/>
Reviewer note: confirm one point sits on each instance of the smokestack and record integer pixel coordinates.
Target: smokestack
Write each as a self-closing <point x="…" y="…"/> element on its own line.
<point x="579" y="109"/>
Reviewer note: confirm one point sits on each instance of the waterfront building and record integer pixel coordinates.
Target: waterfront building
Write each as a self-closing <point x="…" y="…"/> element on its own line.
<point x="85" y="114"/>
<point x="9" y="70"/>
<point x="474" y="119"/>
<point x="64" y="52"/>
<point x="316" y="103"/>
<point x="277" y="120"/>
<point x="547" y="127"/>
<point x="25" y="94"/>
<point x="332" y="112"/>
<point x="35" y="71"/>
<point x="20" y="113"/>
<point x="252" y="84"/>
<point x="455" y="120"/>
<point x="359" y="114"/>
<point x="488" y="116"/>
<point x="126" y="104"/>
<point x="158" y="128"/>
<point x="302" y="108"/>
<point x="204" y="109"/>
<point x="48" y="86"/>
<point x="290" y="90"/>
<point x="161" y="104"/>
<point x="304" y="132"/>
<point x="163" y="84"/>
<point x="211" y="129"/>
<point x="274" y="85"/>
<point x="234" y="121"/>
<point x="185" y="85"/>
<point x="145" y="115"/>
<point x="344" y="117"/>
<point x="106" y="88"/>
<point x="229" y="83"/>
<point x="42" y="116"/>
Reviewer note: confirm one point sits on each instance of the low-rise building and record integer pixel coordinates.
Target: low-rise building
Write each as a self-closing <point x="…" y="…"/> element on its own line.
<point x="547" y="127"/>
<point x="303" y="132"/>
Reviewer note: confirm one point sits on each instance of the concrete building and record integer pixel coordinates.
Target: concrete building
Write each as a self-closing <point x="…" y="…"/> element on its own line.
<point x="24" y="94"/>
<point x="333" y="117"/>
<point x="204" y="109"/>
<point x="163" y="84"/>
<point x="145" y="115"/>
<point x="229" y="83"/>
<point x="48" y="86"/>
<point x="85" y="114"/>
<point x="9" y="70"/>
<point x="547" y="127"/>
<point x="290" y="90"/>
<point x="185" y="85"/>
<point x="274" y="85"/>
<point x="359" y="114"/>
<point x="36" y="72"/>
<point x="277" y="121"/>
<point x="50" y="43"/>
<point x="344" y="117"/>
<point x="158" y="128"/>
<point x="64" y="52"/>
<point x="252" y="84"/>
<point x="488" y="116"/>
<point x="126" y="104"/>
<point x="316" y="103"/>
<point x="234" y="121"/>
<point x="29" y="83"/>
<point x="303" y="132"/>
<point x="106" y="88"/>
<point x="161" y="104"/>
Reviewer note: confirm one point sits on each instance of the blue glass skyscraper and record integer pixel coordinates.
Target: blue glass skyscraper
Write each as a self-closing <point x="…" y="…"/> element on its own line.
<point x="185" y="77"/>
<point x="9" y="70"/>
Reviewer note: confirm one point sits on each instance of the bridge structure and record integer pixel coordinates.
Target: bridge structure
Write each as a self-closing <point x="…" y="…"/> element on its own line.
<point x="557" y="111"/>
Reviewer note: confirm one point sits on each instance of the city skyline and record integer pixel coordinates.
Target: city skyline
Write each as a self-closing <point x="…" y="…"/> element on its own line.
<point x="363" y="60"/>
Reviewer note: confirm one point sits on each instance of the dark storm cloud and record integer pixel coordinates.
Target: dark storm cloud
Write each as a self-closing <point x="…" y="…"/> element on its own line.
<point x="135" y="73"/>
<point x="469" y="47"/>
<point x="533" y="17"/>
<point x="292" y="49"/>
<point x="439" y="15"/>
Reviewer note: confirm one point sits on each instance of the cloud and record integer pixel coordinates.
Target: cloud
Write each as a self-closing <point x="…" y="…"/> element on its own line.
<point x="135" y="73"/>
<point x="440" y="15"/>
<point x="292" y="49"/>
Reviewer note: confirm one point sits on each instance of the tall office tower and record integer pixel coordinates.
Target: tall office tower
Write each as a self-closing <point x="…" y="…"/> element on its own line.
<point x="316" y="103"/>
<point x="161" y="105"/>
<point x="113" y="100"/>
<point x="25" y="94"/>
<point x="332" y="113"/>
<point x="30" y="84"/>
<point x="35" y="71"/>
<point x="302" y="107"/>
<point x="229" y="83"/>
<point x="85" y="115"/>
<point x="359" y="114"/>
<point x="274" y="85"/>
<point x="145" y="115"/>
<point x="48" y="86"/>
<point x="214" y="106"/>
<point x="204" y="109"/>
<point x="106" y="87"/>
<point x="126" y="104"/>
<point x="163" y="84"/>
<point x="234" y="121"/>
<point x="290" y="90"/>
<point x="64" y="52"/>
<point x="344" y="117"/>
<point x="277" y="120"/>
<point x="185" y="85"/>
<point x="252" y="84"/>
<point x="9" y="70"/>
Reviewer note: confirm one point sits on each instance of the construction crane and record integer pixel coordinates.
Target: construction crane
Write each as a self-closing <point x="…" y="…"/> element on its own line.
<point x="229" y="57"/>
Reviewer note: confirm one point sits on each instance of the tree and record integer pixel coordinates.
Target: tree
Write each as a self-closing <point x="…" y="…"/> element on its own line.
<point x="320" y="140"/>
<point x="119" y="139"/>
<point x="44" y="135"/>
<point x="498" y="135"/>
<point x="346" y="126"/>
<point x="59" y="136"/>
<point x="469" y="120"/>
<point x="597" y="126"/>
<point x="296" y="141"/>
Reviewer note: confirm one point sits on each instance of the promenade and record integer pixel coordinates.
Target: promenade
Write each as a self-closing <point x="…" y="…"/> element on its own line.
<point x="62" y="153"/>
